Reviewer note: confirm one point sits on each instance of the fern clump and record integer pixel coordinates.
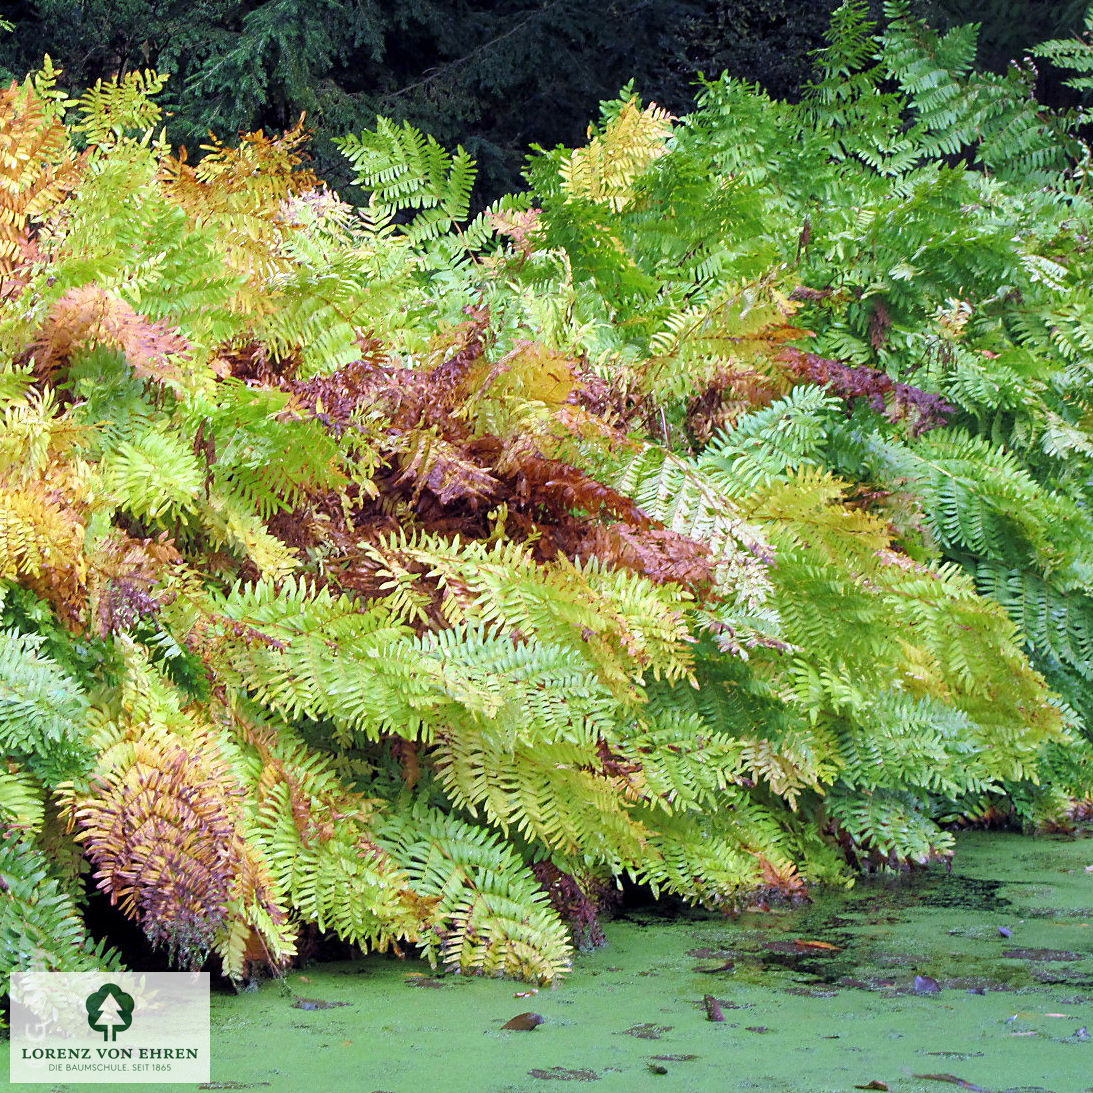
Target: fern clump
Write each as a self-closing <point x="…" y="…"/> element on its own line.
<point x="713" y="515"/>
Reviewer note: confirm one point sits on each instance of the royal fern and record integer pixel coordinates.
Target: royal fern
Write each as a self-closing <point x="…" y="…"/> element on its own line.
<point x="712" y="515"/>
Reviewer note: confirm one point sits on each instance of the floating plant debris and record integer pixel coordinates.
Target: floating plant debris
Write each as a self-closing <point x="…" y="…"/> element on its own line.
<point x="315" y="1004"/>
<point x="646" y="1032"/>
<point x="524" y="1022"/>
<point x="728" y="966"/>
<point x="952" y="1079"/>
<point x="564" y="1074"/>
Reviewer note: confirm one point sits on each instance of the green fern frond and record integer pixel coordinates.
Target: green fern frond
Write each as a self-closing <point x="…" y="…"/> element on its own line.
<point x="894" y="826"/>
<point x="406" y="169"/>
<point x="43" y="712"/>
<point x="22" y="801"/>
<point x="110" y="111"/>
<point x="488" y="915"/>
<point x="155" y="476"/>
<point x="1074" y="54"/>
<point x="41" y="928"/>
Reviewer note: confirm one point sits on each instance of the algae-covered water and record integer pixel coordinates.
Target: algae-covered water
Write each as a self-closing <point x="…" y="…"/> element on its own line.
<point x="822" y="998"/>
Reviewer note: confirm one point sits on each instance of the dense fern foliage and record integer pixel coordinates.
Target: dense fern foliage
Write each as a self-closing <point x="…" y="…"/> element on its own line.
<point x="713" y="514"/>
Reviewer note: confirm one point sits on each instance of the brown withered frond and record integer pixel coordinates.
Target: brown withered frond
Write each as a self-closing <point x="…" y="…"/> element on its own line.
<point x="163" y="831"/>
<point x="732" y="391"/>
<point x="538" y="482"/>
<point x="89" y="316"/>
<point x="451" y="476"/>
<point x="430" y="462"/>
<point x="125" y="581"/>
<point x="659" y="554"/>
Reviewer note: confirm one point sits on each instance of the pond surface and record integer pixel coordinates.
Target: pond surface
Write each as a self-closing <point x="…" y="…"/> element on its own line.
<point x="822" y="998"/>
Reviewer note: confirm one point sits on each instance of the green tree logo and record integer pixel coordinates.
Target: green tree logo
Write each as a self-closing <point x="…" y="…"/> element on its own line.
<point x="109" y="1010"/>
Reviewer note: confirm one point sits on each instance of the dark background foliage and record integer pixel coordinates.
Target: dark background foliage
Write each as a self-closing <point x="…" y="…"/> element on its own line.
<point x="494" y="75"/>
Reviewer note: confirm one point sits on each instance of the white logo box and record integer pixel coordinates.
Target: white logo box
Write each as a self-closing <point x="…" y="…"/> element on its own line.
<point x="109" y="1028"/>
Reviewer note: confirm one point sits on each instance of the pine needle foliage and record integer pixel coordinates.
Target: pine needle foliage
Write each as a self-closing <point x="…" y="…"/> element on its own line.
<point x="713" y="514"/>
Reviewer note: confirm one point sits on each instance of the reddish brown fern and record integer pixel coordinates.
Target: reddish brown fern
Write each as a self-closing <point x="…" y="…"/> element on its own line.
<point x="163" y="835"/>
<point x="90" y="315"/>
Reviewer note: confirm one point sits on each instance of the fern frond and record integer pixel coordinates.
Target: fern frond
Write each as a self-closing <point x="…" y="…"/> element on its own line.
<point x="406" y="169"/>
<point x="89" y="316"/>
<point x="110" y="111"/>
<point x="164" y="823"/>
<point x="41" y="928"/>
<point x="680" y="495"/>
<point x="1074" y="53"/>
<point x="488" y="915"/>
<point x="37" y="169"/>
<point x="43" y="712"/>
<point x="317" y="838"/>
<point x="155" y="476"/>
<point x="891" y="825"/>
<point x="38" y="535"/>
<point x="605" y="170"/>
<point x="22" y="804"/>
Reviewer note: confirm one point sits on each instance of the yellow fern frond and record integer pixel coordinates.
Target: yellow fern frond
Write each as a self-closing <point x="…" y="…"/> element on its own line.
<point x="605" y="170"/>
<point x="32" y="436"/>
<point x="235" y="524"/>
<point x="37" y="168"/>
<point x="124" y="103"/>
<point x="38" y="534"/>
